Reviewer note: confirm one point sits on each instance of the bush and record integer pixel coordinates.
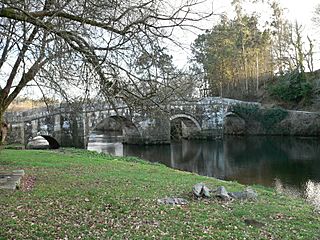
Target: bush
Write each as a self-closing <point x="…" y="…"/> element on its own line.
<point x="246" y="111"/>
<point x="292" y="87"/>
<point x="270" y="117"/>
<point x="267" y="117"/>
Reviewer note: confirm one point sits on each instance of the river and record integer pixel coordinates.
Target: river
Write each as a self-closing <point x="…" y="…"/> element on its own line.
<point x="290" y="164"/>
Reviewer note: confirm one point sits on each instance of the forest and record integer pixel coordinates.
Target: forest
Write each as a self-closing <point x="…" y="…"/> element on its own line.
<point x="245" y="58"/>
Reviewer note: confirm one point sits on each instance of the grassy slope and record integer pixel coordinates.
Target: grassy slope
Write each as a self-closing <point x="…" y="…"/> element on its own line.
<point x="84" y="194"/>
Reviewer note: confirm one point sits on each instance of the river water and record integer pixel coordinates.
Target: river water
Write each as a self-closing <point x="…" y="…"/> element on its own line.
<point x="290" y="164"/>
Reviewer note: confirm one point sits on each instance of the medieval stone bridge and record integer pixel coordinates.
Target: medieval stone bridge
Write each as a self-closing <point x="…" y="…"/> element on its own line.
<point x="200" y="119"/>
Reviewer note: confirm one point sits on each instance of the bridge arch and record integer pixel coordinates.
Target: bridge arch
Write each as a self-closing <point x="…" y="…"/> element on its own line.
<point x="43" y="142"/>
<point x="53" y="143"/>
<point x="117" y="126"/>
<point x="183" y="126"/>
<point x="176" y="116"/>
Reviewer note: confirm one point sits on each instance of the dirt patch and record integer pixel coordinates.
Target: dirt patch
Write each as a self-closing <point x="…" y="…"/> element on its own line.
<point x="27" y="183"/>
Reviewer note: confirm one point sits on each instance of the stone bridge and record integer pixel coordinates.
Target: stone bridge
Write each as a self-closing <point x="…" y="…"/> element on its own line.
<point x="202" y="119"/>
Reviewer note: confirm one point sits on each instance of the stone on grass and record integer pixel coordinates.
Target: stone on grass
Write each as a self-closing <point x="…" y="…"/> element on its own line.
<point x="222" y="193"/>
<point x="201" y="190"/>
<point x="247" y="194"/>
<point x="236" y="195"/>
<point x="172" y="201"/>
<point x="38" y="142"/>
<point x="250" y="194"/>
<point x="11" y="180"/>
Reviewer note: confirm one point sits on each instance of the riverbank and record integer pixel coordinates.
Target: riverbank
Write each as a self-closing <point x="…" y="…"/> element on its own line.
<point x="75" y="193"/>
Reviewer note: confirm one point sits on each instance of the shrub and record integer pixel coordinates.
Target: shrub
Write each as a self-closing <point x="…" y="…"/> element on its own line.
<point x="270" y="117"/>
<point x="246" y="111"/>
<point x="267" y="117"/>
<point x="292" y="87"/>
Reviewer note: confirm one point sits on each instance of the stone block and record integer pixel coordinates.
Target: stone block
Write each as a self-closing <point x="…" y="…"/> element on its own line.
<point x="11" y="180"/>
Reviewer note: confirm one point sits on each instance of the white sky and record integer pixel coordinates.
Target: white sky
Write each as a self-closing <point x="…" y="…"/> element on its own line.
<point x="295" y="10"/>
<point x="300" y="10"/>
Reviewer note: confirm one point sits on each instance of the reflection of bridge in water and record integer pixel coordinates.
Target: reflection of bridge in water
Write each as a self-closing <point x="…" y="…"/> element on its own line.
<point x="195" y="120"/>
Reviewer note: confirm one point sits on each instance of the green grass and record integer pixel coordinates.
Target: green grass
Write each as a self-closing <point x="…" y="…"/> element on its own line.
<point x="81" y="194"/>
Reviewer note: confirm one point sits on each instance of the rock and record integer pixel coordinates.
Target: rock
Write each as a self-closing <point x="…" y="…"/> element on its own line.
<point x="3" y="179"/>
<point x="38" y="143"/>
<point x="11" y="180"/>
<point x="197" y="189"/>
<point x="250" y="194"/>
<point x="222" y="193"/>
<point x="201" y="190"/>
<point x="172" y="201"/>
<point x="236" y="195"/>
<point x="247" y="194"/>
<point x="206" y="191"/>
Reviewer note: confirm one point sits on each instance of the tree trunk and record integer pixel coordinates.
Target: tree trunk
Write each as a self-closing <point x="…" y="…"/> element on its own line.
<point x="3" y="128"/>
<point x="257" y="76"/>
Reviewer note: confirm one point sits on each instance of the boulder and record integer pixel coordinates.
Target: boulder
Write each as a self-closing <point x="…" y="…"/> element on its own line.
<point x="38" y="142"/>
<point x="201" y="190"/>
<point x="222" y="193"/>
<point x="250" y="194"/>
<point x="43" y="142"/>
<point x="247" y="194"/>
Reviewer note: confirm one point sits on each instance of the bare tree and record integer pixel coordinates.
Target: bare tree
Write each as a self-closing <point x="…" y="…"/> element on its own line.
<point x="59" y="40"/>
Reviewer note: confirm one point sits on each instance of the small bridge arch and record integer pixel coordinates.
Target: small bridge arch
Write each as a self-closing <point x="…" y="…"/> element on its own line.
<point x="176" y="116"/>
<point x="183" y="126"/>
<point x="120" y="125"/>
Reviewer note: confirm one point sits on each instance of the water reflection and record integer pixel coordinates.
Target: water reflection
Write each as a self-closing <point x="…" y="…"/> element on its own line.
<point x="108" y="143"/>
<point x="293" y="161"/>
<point x="287" y="163"/>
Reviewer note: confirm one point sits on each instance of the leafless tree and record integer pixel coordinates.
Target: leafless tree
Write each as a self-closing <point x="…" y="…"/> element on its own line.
<point x="58" y="41"/>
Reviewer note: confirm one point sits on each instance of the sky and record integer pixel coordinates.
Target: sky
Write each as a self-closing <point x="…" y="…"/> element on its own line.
<point x="301" y="11"/>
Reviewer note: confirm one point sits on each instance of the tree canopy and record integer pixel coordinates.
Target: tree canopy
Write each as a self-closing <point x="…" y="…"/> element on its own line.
<point x="235" y="55"/>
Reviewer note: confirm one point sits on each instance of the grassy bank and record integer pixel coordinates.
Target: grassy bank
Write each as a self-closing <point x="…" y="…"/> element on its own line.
<point x="84" y="195"/>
